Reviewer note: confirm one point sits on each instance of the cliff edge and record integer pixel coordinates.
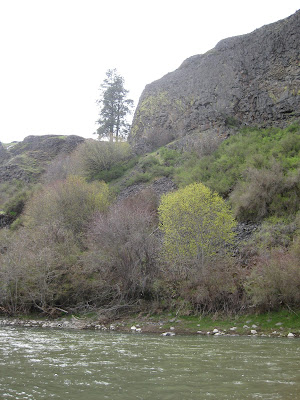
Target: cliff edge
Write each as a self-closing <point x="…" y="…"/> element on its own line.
<point x="251" y="79"/>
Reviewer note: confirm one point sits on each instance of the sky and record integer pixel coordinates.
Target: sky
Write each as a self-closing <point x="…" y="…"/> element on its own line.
<point x="54" y="53"/>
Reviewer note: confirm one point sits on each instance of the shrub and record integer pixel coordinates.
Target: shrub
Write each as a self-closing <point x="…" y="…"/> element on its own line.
<point x="11" y="192"/>
<point x="38" y="264"/>
<point x="216" y="288"/>
<point x="169" y="157"/>
<point x="71" y="203"/>
<point x="116" y="171"/>
<point x="148" y="162"/>
<point x="197" y="224"/>
<point x="139" y="178"/>
<point x="15" y="206"/>
<point x="206" y="144"/>
<point x="63" y="166"/>
<point x="100" y="157"/>
<point x="151" y="167"/>
<point x="36" y="269"/>
<point x="123" y="249"/>
<point x="266" y="192"/>
<point x="275" y="280"/>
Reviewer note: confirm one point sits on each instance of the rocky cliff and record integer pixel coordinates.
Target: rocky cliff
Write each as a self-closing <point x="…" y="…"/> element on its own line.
<point x="252" y="79"/>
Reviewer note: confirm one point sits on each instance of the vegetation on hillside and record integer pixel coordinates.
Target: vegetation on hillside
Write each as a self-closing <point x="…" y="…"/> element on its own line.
<point x="257" y="169"/>
<point x="23" y="163"/>
<point x="76" y="248"/>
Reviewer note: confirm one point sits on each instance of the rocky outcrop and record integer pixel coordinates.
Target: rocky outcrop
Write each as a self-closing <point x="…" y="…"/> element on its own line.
<point x="252" y="79"/>
<point x="26" y="160"/>
<point x="46" y="146"/>
<point x="159" y="187"/>
<point x="5" y="220"/>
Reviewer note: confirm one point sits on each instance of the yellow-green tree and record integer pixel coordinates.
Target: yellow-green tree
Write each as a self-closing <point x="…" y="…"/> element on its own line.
<point x="197" y="224"/>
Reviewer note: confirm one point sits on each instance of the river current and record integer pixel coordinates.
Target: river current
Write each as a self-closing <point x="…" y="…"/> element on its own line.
<point x="87" y="365"/>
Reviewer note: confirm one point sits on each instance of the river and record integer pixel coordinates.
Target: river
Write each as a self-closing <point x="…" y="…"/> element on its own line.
<point x="87" y="365"/>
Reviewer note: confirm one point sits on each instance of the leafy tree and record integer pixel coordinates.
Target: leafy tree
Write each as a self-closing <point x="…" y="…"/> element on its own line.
<point x="114" y="107"/>
<point x="197" y="224"/>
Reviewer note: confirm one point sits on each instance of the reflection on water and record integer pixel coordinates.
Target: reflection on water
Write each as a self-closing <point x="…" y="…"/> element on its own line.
<point x="70" y="365"/>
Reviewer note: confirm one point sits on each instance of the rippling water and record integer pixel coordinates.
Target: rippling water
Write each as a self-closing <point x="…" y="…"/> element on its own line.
<point x="70" y="365"/>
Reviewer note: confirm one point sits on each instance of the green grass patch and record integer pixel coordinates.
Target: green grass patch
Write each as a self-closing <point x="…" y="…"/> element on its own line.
<point x="139" y="177"/>
<point x="265" y="323"/>
<point x="282" y="322"/>
<point x="163" y="162"/>
<point x="116" y="171"/>
<point x="10" y="190"/>
<point x="278" y="323"/>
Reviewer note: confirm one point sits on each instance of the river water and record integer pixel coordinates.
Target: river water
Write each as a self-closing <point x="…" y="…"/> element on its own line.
<point x="87" y="365"/>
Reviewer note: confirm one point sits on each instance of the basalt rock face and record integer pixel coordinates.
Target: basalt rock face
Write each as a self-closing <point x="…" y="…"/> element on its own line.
<point x="27" y="160"/>
<point x="252" y="79"/>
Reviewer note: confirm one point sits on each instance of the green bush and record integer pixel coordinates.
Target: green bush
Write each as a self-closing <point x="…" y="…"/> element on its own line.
<point x="105" y="160"/>
<point x="161" y="170"/>
<point x="115" y="171"/>
<point x="169" y="156"/>
<point x="148" y="162"/>
<point x="258" y="168"/>
<point x="150" y="167"/>
<point x="15" y="206"/>
<point x="139" y="178"/>
<point x="197" y="225"/>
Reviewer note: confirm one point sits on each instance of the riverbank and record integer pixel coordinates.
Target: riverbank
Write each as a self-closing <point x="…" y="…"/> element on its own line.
<point x="273" y="324"/>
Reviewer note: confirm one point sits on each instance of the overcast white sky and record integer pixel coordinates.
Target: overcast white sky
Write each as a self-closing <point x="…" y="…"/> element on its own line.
<point x="54" y="53"/>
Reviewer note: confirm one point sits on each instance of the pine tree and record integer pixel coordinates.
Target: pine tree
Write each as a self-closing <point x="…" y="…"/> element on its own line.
<point x="114" y="107"/>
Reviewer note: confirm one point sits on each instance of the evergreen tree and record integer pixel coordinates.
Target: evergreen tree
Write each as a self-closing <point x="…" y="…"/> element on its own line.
<point x="114" y="107"/>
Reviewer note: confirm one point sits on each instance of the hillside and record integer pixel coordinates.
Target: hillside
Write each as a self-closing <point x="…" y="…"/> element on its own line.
<point x="23" y="163"/>
<point x="26" y="160"/>
<point x="245" y="80"/>
<point x="197" y="214"/>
